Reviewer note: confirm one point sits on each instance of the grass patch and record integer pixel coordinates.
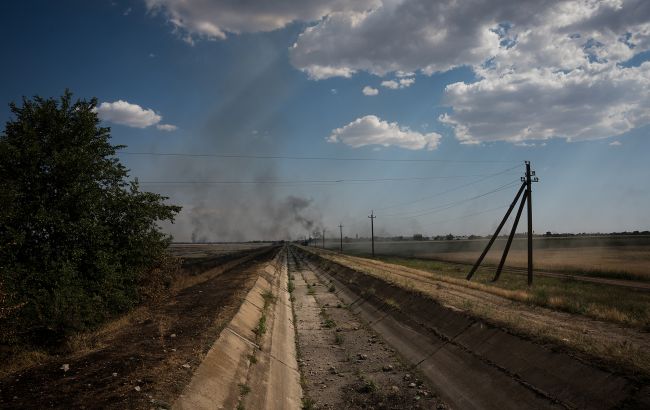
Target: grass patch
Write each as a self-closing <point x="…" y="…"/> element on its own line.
<point x="338" y="339"/>
<point x="308" y="403"/>
<point x="599" y="301"/>
<point x="392" y="303"/>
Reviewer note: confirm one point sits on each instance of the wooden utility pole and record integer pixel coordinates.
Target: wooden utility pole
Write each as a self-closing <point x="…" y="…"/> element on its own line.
<point x="372" y="231"/>
<point x="529" y="197"/>
<point x="341" y="230"/>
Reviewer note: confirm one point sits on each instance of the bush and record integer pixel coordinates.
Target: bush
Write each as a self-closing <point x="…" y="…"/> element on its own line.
<point x="76" y="237"/>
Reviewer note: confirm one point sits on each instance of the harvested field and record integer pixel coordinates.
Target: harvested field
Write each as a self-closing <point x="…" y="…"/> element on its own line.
<point x="609" y="257"/>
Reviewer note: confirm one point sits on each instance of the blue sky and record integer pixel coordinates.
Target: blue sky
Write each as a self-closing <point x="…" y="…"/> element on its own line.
<point x="280" y="79"/>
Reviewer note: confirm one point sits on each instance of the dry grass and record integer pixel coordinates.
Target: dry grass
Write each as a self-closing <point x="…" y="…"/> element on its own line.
<point x="603" y="302"/>
<point x="630" y="262"/>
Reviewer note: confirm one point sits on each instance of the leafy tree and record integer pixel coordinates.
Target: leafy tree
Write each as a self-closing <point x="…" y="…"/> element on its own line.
<point x="76" y="237"/>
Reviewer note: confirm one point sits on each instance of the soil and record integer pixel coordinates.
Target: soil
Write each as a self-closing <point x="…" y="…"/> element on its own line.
<point x="345" y="364"/>
<point x="149" y="360"/>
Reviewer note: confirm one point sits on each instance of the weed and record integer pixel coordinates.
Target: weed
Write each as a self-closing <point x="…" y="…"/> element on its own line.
<point x="244" y="389"/>
<point x="367" y="386"/>
<point x="291" y="287"/>
<point x="392" y="303"/>
<point x="338" y="339"/>
<point x="329" y="323"/>
<point x="308" y="403"/>
<point x="268" y="297"/>
<point x="332" y="288"/>
<point x="260" y="329"/>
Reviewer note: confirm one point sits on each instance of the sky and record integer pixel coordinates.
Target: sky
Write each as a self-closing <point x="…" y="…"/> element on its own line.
<point x="288" y="117"/>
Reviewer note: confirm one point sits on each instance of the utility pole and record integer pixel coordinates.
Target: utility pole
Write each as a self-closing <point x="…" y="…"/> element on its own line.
<point x="323" y="238"/>
<point x="529" y="196"/>
<point x="341" y="230"/>
<point x="372" y="231"/>
<point x="526" y="190"/>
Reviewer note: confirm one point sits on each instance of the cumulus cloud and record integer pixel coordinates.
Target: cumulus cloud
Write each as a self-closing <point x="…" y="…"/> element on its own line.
<point x="166" y="127"/>
<point x="543" y="69"/>
<point x="400" y="83"/>
<point x="615" y="144"/>
<point x="392" y="84"/>
<point x="367" y="90"/>
<point x="371" y="130"/>
<point x="131" y="115"/>
<point x="213" y="19"/>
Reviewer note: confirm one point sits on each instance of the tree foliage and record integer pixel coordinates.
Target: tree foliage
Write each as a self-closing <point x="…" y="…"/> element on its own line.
<point x="76" y="236"/>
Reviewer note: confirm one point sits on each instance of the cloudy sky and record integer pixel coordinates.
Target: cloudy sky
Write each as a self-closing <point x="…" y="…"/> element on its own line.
<point x="302" y="114"/>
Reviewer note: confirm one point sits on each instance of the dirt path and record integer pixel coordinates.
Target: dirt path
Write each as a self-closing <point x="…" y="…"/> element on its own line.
<point x="345" y="365"/>
<point x="147" y="360"/>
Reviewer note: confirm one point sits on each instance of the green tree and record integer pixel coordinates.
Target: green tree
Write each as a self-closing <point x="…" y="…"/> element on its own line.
<point x="76" y="236"/>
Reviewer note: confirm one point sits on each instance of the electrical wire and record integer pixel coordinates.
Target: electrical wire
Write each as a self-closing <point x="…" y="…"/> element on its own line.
<point x="442" y="221"/>
<point x="308" y="158"/>
<point x="428" y="211"/>
<point x="307" y="181"/>
<point x="448" y="190"/>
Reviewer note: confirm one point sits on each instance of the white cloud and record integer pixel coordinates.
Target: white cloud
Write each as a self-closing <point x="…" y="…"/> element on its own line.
<point x="392" y="84"/>
<point x="400" y="83"/>
<point x="367" y="90"/>
<point x="540" y="104"/>
<point x="615" y="144"/>
<point x="131" y="115"/>
<point x="371" y="130"/>
<point x="213" y="19"/>
<point x="166" y="127"/>
<point x="406" y="82"/>
<point x="544" y="69"/>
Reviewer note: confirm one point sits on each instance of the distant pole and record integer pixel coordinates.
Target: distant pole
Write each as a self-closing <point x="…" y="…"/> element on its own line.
<point x="323" y="238"/>
<point x="341" y="230"/>
<point x="529" y="196"/>
<point x="372" y="231"/>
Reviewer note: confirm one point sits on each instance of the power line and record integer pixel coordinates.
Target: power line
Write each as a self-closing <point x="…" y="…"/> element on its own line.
<point x="308" y="158"/>
<point x="448" y="190"/>
<point x="308" y="181"/>
<point x="444" y="207"/>
<point x="442" y="221"/>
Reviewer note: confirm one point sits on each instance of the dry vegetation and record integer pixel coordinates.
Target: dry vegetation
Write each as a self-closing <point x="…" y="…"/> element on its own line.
<point x="604" y="302"/>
